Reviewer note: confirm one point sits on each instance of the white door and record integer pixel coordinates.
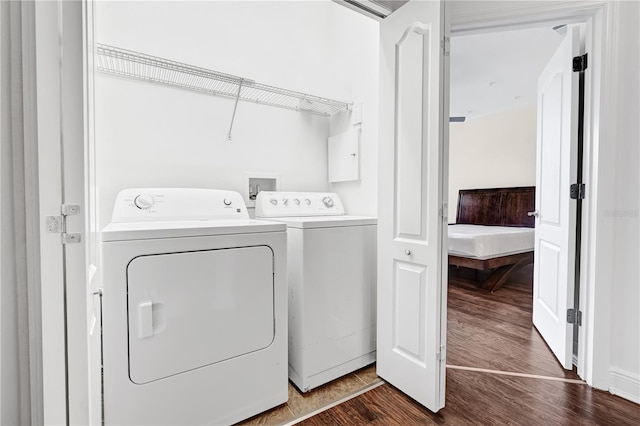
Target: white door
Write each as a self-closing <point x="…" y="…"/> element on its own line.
<point x="554" y="271"/>
<point x="62" y="159"/>
<point x="412" y="256"/>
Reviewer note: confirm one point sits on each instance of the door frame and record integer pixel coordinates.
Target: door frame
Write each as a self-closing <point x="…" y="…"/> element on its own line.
<point x="65" y="176"/>
<point x="601" y="43"/>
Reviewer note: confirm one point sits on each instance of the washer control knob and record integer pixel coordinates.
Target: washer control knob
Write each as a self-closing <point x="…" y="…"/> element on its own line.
<point x="285" y="201"/>
<point x="307" y="201"/>
<point x="328" y="201"/>
<point x="295" y="200"/>
<point x="273" y="201"/>
<point x="227" y="202"/>
<point x="143" y="201"/>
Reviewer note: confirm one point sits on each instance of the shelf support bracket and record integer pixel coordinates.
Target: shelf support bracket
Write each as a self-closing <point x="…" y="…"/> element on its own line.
<point x="235" y="107"/>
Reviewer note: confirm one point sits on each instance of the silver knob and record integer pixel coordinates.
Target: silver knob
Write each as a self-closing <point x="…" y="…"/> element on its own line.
<point x="407" y="252"/>
<point x="534" y="214"/>
<point x="285" y="201"/>
<point x="295" y="200"/>
<point x="227" y="202"/>
<point x="328" y="201"/>
<point x="273" y="201"/>
<point x="307" y="201"/>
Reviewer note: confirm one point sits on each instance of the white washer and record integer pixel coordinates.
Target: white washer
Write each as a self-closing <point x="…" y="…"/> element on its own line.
<point x="332" y="284"/>
<point x="194" y="309"/>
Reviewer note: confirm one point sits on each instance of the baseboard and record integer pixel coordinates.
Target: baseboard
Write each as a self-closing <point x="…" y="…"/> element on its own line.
<point x="625" y="384"/>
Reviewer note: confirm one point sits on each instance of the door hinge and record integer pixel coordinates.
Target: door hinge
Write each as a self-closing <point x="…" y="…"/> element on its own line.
<point x="577" y="191"/>
<point x="441" y="355"/>
<point x="445" y="43"/>
<point x="58" y="224"/>
<point x="580" y="63"/>
<point x="442" y="211"/>
<point x="574" y="316"/>
<point x="68" y="238"/>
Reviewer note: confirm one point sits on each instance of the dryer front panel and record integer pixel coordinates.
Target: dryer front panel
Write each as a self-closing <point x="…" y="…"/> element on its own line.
<point x="192" y="309"/>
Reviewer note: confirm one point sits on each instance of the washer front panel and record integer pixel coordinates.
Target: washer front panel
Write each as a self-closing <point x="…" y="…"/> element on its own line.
<point x="192" y="309"/>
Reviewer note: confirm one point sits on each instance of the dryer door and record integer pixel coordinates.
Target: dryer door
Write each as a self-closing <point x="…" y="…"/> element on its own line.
<point x="193" y="309"/>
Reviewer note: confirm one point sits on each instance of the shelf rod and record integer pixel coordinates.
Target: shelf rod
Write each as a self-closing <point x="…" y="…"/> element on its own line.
<point x="235" y="107"/>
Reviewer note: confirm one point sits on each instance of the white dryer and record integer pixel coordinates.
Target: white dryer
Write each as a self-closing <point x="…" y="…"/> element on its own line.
<point x="194" y="309"/>
<point x="332" y="284"/>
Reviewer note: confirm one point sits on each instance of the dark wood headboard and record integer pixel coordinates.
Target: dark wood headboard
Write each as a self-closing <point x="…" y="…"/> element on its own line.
<point x="497" y="206"/>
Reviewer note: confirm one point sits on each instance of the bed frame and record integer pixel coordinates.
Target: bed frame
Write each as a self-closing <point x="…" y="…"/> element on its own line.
<point x="496" y="207"/>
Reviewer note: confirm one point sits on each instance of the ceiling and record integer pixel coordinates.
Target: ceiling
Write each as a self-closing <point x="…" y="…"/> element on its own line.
<point x="498" y="71"/>
<point x="491" y="72"/>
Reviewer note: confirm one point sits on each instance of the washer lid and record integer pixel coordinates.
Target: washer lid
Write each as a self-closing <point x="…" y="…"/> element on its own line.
<point x="311" y="222"/>
<point x="176" y="229"/>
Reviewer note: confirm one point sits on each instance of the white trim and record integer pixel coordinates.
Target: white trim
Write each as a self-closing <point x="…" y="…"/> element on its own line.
<point x="520" y="14"/>
<point x="49" y="169"/>
<point x="601" y="40"/>
<point x="2" y="101"/>
<point x="513" y="374"/>
<point x="32" y="210"/>
<point x="625" y="384"/>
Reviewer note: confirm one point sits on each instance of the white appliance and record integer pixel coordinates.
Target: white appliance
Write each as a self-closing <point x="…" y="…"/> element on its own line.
<point x="332" y="284"/>
<point x="194" y="309"/>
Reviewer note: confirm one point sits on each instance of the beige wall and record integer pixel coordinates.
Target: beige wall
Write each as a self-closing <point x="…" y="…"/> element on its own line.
<point x="496" y="150"/>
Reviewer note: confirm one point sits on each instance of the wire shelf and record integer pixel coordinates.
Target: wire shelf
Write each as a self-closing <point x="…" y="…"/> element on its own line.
<point x="115" y="60"/>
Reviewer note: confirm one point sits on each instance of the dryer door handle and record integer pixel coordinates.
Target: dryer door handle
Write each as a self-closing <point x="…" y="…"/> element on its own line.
<point x="145" y="319"/>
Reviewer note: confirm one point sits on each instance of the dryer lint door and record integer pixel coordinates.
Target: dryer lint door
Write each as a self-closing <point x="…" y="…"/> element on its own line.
<point x="193" y="309"/>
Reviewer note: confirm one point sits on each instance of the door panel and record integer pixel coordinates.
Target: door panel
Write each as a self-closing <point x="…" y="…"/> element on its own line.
<point x="551" y="151"/>
<point x="408" y="144"/>
<point x="549" y="255"/>
<point x="411" y="251"/>
<point x="409" y="312"/>
<point x="554" y="268"/>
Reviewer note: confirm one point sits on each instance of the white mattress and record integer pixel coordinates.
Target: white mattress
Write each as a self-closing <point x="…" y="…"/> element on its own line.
<point x="486" y="242"/>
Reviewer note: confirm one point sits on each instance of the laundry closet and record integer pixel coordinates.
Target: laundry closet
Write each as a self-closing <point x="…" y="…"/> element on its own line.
<point x="170" y="112"/>
<point x="154" y="135"/>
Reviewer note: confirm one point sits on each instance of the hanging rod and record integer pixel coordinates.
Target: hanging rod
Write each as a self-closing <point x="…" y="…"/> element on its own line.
<point x="115" y="60"/>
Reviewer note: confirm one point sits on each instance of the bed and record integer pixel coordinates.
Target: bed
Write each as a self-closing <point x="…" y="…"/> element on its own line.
<point x="493" y="232"/>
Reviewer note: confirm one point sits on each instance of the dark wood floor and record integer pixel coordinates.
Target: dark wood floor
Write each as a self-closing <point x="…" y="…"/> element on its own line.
<point x="494" y="330"/>
<point x="486" y="399"/>
<point x="491" y="331"/>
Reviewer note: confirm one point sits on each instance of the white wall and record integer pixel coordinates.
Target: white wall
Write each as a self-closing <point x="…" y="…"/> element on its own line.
<point x="625" y="213"/>
<point x="151" y="135"/>
<point x="492" y="151"/>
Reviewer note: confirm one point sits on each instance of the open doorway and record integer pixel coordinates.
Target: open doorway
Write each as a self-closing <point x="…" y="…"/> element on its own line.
<point x="493" y="145"/>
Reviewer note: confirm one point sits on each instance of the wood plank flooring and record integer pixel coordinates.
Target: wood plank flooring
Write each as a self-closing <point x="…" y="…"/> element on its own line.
<point x="494" y="330"/>
<point x="486" y="399"/>
<point x="491" y="331"/>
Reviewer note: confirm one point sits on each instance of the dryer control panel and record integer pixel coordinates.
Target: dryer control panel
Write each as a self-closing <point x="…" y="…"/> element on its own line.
<point x="287" y="204"/>
<point x="177" y="204"/>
